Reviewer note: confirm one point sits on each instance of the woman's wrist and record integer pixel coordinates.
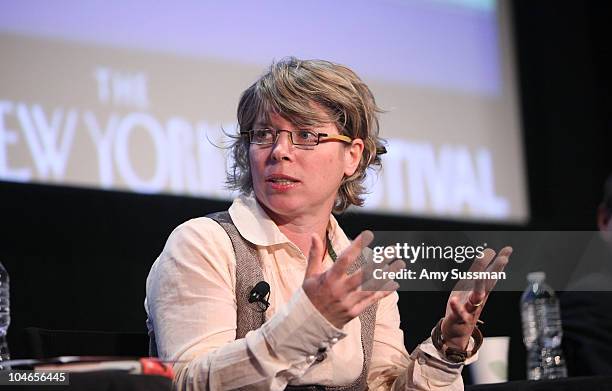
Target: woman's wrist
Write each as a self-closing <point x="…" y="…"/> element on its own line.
<point x="457" y="341"/>
<point x="455" y="349"/>
<point x="460" y="343"/>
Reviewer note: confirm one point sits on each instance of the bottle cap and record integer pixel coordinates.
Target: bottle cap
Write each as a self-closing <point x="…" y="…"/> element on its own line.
<point x="536" y="276"/>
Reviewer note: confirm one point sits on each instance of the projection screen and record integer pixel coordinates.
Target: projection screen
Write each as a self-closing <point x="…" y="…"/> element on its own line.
<point x="134" y="95"/>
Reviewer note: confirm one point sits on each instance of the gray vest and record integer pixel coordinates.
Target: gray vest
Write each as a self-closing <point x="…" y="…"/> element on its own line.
<point x="250" y="317"/>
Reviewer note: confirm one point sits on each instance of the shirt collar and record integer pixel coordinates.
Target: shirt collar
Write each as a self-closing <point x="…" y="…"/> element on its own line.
<point x="253" y="222"/>
<point x="257" y="227"/>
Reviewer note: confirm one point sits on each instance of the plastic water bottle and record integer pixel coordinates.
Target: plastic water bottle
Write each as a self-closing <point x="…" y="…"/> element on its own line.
<point x="542" y="332"/>
<point x="5" y="315"/>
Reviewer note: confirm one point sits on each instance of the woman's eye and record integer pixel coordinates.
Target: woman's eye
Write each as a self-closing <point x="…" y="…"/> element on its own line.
<point x="306" y="135"/>
<point x="262" y="134"/>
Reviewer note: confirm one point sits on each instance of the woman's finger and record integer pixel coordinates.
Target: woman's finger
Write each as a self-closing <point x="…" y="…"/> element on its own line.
<point x="350" y="255"/>
<point x="315" y="257"/>
<point x="498" y="265"/>
<point x="366" y="277"/>
<point x="481" y="263"/>
<point x="459" y="311"/>
<point x="475" y="300"/>
<point x="358" y="295"/>
<point x="367" y="298"/>
<point x="479" y="292"/>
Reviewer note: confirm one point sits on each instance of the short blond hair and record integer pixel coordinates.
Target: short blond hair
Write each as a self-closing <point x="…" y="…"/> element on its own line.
<point x="288" y="89"/>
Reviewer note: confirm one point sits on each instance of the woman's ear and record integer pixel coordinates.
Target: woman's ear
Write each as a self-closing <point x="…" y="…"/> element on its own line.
<point x="352" y="156"/>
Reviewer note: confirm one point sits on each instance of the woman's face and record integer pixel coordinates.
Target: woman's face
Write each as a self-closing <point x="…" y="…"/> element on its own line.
<point x="293" y="181"/>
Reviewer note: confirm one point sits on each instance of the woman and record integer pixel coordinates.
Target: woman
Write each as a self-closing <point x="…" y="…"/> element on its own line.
<point x="308" y="132"/>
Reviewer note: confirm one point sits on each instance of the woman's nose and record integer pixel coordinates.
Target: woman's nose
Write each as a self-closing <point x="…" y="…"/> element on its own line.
<point x="283" y="147"/>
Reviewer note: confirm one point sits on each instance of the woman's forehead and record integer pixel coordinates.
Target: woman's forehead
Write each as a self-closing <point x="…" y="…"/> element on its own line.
<point x="309" y="116"/>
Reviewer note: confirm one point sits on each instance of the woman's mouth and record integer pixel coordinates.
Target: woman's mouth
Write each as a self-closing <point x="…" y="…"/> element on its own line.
<point x="281" y="182"/>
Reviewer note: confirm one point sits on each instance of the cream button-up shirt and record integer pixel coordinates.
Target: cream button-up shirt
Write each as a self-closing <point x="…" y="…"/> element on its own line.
<point x="191" y="307"/>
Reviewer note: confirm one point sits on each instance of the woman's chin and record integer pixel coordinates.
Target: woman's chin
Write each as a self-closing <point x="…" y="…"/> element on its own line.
<point x="293" y="205"/>
<point x="282" y="206"/>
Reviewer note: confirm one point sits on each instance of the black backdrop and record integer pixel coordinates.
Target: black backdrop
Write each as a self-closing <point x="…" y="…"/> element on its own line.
<point x="78" y="258"/>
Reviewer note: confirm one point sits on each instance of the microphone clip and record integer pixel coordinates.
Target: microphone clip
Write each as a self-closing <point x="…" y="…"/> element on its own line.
<point x="260" y="294"/>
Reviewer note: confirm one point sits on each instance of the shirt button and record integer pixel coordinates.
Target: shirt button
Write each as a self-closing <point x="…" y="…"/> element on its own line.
<point x="334" y="340"/>
<point x="422" y="360"/>
<point x="310" y="359"/>
<point x="321" y="357"/>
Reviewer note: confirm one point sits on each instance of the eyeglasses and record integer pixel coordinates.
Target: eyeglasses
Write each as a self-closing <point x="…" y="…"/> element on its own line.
<point x="298" y="137"/>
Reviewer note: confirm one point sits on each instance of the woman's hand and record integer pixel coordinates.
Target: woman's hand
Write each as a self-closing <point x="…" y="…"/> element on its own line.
<point x="468" y="298"/>
<point x="339" y="297"/>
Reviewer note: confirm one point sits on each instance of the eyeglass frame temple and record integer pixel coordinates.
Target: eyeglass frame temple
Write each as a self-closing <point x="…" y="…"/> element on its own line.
<point x="337" y="137"/>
